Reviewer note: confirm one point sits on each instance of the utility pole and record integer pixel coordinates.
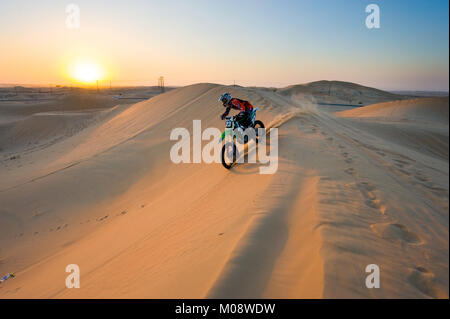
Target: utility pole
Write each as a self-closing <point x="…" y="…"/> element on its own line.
<point x="161" y="83"/>
<point x="97" y="86"/>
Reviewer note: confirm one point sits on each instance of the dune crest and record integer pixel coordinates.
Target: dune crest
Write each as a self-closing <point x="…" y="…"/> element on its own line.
<point x="434" y="110"/>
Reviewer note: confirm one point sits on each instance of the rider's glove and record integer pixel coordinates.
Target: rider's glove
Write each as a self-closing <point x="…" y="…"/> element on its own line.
<point x="222" y="117"/>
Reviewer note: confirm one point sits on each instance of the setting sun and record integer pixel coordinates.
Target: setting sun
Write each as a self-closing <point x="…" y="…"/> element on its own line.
<point x="86" y="72"/>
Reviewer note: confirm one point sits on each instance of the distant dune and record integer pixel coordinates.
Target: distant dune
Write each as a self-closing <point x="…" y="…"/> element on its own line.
<point x="88" y="182"/>
<point x="419" y="109"/>
<point x="421" y="124"/>
<point x="340" y="92"/>
<point x="413" y="94"/>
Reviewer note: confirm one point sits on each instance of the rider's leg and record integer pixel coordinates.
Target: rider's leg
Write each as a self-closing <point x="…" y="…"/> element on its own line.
<point x="240" y="117"/>
<point x="248" y="118"/>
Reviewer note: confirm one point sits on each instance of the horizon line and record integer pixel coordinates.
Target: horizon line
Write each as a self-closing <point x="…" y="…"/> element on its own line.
<point x="94" y="85"/>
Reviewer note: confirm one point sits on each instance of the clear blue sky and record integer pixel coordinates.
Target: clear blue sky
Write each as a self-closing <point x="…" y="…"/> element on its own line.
<point x="270" y="43"/>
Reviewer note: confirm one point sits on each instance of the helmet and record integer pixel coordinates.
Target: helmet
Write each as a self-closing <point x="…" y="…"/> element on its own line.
<point x="225" y="98"/>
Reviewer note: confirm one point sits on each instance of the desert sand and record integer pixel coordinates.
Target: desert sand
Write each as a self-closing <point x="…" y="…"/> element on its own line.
<point x="86" y="180"/>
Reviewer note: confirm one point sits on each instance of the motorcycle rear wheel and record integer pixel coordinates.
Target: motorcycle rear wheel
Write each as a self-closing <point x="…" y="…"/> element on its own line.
<point x="258" y="124"/>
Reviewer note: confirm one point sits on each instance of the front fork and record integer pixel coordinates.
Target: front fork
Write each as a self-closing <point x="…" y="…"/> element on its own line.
<point x="253" y="118"/>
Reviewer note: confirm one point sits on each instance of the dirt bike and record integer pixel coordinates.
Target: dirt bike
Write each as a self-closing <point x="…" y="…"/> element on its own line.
<point x="229" y="152"/>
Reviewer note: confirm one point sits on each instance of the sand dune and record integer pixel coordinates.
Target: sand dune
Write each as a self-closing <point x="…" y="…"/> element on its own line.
<point x="48" y="103"/>
<point x="338" y="92"/>
<point x="420" y="109"/>
<point x="419" y="124"/>
<point x="348" y="192"/>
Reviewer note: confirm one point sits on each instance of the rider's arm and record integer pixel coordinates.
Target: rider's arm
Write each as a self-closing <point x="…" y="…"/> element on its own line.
<point x="226" y="112"/>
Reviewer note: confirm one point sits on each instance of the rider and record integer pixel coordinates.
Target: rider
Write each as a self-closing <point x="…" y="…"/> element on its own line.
<point x="245" y="107"/>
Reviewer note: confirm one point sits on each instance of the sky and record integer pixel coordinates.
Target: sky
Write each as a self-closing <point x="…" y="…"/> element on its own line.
<point x="247" y="42"/>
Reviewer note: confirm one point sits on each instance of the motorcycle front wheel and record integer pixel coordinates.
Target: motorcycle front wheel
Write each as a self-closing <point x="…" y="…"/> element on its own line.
<point x="229" y="155"/>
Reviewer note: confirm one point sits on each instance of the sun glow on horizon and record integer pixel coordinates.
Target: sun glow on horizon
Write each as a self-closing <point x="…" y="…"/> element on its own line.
<point x="86" y="71"/>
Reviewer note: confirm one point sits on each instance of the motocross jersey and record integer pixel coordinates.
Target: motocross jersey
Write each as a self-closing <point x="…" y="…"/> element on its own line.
<point x="238" y="104"/>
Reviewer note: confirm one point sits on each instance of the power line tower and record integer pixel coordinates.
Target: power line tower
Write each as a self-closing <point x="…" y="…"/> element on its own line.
<point x="161" y="83"/>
